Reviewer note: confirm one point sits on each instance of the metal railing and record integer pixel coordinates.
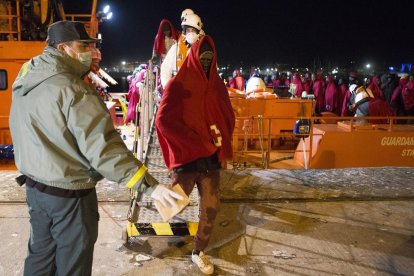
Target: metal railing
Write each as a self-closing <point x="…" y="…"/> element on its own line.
<point x="267" y="131"/>
<point x="14" y="19"/>
<point x="10" y="17"/>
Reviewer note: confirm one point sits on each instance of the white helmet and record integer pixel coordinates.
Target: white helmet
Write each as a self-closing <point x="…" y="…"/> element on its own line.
<point x="255" y="83"/>
<point x="192" y="20"/>
<point x="352" y="88"/>
<point x="363" y="95"/>
<point x="185" y="13"/>
<point x="304" y="94"/>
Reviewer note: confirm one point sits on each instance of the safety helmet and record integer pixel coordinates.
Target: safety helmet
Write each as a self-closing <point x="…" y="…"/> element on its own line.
<point x="352" y="88"/>
<point x="185" y="13"/>
<point x="255" y="83"/>
<point x="363" y="95"/>
<point x="304" y="94"/>
<point x="192" y="20"/>
<point x="404" y="76"/>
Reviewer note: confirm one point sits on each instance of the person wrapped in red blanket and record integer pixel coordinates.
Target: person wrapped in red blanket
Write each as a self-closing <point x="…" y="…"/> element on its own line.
<point x="195" y="122"/>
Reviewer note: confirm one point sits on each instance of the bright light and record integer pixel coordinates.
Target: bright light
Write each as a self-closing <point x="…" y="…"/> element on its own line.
<point x="368" y="65"/>
<point x="123" y="62"/>
<point x="391" y="68"/>
<point x="276" y="69"/>
<point x="109" y="16"/>
<point x="267" y="69"/>
<point x="334" y="71"/>
<point x="106" y="9"/>
<point x="99" y="36"/>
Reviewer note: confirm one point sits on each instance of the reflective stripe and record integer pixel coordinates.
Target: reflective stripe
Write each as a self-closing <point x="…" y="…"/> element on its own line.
<point x="132" y="229"/>
<point x="25" y="69"/>
<point x="162" y="229"/>
<point x="137" y="176"/>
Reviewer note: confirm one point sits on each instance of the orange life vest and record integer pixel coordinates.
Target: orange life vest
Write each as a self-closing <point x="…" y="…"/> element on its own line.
<point x="181" y="51"/>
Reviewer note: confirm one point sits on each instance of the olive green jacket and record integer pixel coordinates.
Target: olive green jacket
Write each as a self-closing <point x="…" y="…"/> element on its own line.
<point x="62" y="132"/>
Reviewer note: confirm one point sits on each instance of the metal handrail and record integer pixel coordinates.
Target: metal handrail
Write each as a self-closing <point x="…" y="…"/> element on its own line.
<point x="10" y="17"/>
<point x="353" y="126"/>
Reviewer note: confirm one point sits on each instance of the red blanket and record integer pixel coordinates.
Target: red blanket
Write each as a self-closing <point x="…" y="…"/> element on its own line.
<point x="159" y="43"/>
<point x="195" y="115"/>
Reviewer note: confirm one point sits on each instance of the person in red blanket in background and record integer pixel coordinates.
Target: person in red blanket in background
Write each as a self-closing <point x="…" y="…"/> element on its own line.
<point x="347" y="103"/>
<point x="408" y="99"/>
<point x="331" y="95"/>
<point x="318" y="89"/>
<point x="134" y="92"/>
<point x="167" y="36"/>
<point x="375" y="87"/>
<point x="195" y="122"/>
<point x="397" y="101"/>
<point x="307" y="83"/>
<point x="341" y="95"/>
<point x="237" y="81"/>
<point x="296" y="85"/>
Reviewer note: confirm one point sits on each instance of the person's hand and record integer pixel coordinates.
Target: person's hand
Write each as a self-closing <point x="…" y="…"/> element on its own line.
<point x="166" y="196"/>
<point x="154" y="59"/>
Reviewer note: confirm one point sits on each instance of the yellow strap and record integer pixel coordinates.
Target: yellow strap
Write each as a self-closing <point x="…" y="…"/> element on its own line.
<point x="137" y="176"/>
<point x="25" y="69"/>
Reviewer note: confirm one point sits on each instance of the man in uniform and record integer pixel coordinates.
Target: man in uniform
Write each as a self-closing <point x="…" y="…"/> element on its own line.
<point x="64" y="142"/>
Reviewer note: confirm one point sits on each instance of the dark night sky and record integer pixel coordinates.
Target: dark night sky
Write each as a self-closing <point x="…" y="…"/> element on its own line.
<point x="265" y="32"/>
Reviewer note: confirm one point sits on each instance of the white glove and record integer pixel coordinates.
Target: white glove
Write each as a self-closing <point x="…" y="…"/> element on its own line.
<point x="164" y="195"/>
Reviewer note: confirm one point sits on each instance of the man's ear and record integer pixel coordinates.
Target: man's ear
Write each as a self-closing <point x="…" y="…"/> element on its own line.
<point x="61" y="47"/>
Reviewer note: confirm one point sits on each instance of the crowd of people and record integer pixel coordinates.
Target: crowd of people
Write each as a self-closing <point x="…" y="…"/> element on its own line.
<point x="387" y="94"/>
<point x="65" y="141"/>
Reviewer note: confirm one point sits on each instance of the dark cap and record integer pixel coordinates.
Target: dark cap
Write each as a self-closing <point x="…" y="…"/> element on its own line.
<point x="64" y="31"/>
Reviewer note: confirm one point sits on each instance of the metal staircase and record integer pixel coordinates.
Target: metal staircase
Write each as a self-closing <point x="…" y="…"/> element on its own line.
<point x="143" y="218"/>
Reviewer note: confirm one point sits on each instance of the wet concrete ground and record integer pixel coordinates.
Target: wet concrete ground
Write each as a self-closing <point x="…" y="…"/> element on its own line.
<point x="278" y="222"/>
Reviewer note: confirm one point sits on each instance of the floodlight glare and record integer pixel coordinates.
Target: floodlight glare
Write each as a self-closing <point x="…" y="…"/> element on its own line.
<point x="106" y="9"/>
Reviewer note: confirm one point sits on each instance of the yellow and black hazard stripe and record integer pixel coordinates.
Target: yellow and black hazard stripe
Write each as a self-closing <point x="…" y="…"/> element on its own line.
<point x="162" y="229"/>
